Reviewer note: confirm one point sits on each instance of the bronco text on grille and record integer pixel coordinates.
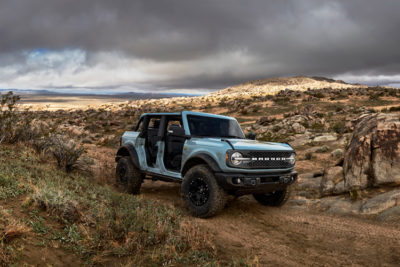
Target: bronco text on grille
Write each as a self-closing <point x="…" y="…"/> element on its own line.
<point x="267" y="159"/>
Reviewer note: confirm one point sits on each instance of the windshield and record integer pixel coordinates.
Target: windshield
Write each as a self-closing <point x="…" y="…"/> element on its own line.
<point x="214" y="127"/>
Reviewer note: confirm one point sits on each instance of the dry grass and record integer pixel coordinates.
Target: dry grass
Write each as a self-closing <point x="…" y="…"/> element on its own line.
<point x="14" y="230"/>
<point x="10" y="229"/>
<point x="98" y="222"/>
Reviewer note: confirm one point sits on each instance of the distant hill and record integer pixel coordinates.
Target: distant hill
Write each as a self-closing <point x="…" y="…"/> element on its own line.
<point x="127" y="95"/>
<point x="274" y="85"/>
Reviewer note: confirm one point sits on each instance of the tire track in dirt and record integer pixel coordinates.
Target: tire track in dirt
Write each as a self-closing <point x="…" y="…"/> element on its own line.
<point x="291" y="236"/>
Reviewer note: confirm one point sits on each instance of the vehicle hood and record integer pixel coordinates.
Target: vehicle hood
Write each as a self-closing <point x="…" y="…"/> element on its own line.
<point x="247" y="144"/>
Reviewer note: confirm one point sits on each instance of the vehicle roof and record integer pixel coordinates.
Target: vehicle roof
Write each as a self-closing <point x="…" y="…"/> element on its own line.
<point x="187" y="113"/>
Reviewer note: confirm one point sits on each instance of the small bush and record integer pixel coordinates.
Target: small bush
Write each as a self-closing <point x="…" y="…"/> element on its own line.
<point x="281" y="100"/>
<point x="244" y="111"/>
<point x="68" y="154"/>
<point x="276" y="128"/>
<point x="8" y="115"/>
<point x="374" y="97"/>
<point x="256" y="108"/>
<point x="317" y="127"/>
<point x="393" y="109"/>
<point x="223" y="102"/>
<point x="339" y="127"/>
<point x="309" y="156"/>
<point x="322" y="149"/>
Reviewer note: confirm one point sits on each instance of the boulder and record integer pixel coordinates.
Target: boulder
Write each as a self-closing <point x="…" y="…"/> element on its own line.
<point x="300" y="140"/>
<point x="266" y="120"/>
<point x="372" y="157"/>
<point x="344" y="207"/>
<point x="339" y="188"/>
<point x="325" y="138"/>
<point x="381" y="202"/>
<point x="298" y="128"/>
<point x="337" y="153"/>
<point x="309" y="184"/>
<point x="390" y="215"/>
<point x="331" y="177"/>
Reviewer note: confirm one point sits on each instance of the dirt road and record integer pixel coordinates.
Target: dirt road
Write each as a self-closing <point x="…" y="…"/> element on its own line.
<point x="290" y="236"/>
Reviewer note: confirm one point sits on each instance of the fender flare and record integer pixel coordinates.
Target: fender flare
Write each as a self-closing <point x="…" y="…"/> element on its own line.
<point x="202" y="157"/>
<point x="128" y="150"/>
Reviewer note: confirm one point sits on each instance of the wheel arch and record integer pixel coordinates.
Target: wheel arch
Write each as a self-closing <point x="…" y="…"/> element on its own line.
<point x="200" y="159"/>
<point x="130" y="151"/>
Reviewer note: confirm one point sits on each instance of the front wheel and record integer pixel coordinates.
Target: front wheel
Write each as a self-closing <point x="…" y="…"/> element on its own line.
<point x="276" y="198"/>
<point x="201" y="194"/>
<point x="129" y="179"/>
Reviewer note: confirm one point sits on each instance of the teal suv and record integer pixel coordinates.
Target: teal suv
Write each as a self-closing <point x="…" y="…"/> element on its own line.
<point x="211" y="158"/>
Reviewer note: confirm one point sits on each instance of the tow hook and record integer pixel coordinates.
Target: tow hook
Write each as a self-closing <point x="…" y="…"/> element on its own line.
<point x="255" y="181"/>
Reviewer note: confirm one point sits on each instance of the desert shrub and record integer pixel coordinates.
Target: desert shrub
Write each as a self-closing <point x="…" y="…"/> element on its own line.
<point x="281" y="100"/>
<point x="374" y="97"/>
<point x="317" y="127"/>
<point x="68" y="154"/>
<point x="270" y="137"/>
<point x="276" y="128"/>
<point x="339" y="127"/>
<point x="393" y="109"/>
<point x="207" y="106"/>
<point x="318" y="94"/>
<point x="322" y="149"/>
<point x="244" y="111"/>
<point x="8" y="115"/>
<point x="308" y="156"/>
<point x="305" y="124"/>
<point x="256" y="108"/>
<point x="223" y="102"/>
<point x="55" y="202"/>
<point x="19" y="125"/>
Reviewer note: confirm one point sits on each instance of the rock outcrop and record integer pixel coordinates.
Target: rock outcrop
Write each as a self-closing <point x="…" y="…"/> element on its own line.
<point x="331" y="178"/>
<point x="372" y="157"/>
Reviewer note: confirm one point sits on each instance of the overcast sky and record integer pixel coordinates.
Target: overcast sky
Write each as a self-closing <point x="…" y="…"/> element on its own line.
<point x="194" y="45"/>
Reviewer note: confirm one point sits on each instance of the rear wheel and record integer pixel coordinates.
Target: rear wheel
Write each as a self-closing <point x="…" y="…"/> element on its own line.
<point x="202" y="195"/>
<point x="129" y="179"/>
<point x="276" y="198"/>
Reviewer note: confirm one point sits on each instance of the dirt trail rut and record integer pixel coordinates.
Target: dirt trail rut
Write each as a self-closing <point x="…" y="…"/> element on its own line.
<point x="290" y="236"/>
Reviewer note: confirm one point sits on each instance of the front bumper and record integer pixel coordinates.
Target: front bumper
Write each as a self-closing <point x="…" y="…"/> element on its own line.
<point x="245" y="183"/>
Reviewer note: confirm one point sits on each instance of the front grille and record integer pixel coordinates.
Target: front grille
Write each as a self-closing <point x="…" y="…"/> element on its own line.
<point x="267" y="159"/>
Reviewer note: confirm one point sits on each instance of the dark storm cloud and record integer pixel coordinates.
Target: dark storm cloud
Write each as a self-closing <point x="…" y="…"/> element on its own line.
<point x="246" y="39"/>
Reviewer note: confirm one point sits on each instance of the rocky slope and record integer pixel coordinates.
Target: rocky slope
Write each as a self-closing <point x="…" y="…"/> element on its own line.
<point x="274" y="85"/>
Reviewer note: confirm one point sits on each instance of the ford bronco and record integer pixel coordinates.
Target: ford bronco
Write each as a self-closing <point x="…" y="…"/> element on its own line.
<point x="211" y="158"/>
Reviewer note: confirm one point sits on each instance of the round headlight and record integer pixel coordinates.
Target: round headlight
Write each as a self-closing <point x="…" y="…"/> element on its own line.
<point x="234" y="157"/>
<point x="292" y="159"/>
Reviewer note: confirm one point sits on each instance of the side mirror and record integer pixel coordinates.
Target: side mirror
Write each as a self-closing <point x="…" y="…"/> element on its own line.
<point x="251" y="136"/>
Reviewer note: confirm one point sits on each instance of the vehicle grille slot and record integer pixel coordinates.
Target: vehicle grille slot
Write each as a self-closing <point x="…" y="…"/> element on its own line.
<point x="268" y="160"/>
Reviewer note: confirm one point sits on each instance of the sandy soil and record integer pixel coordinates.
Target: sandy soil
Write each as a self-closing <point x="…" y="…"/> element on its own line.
<point x="291" y="236"/>
<point x="38" y="102"/>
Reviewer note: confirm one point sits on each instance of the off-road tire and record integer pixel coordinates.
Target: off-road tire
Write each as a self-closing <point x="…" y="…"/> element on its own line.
<point x="276" y="198"/>
<point x="128" y="177"/>
<point x="202" y="175"/>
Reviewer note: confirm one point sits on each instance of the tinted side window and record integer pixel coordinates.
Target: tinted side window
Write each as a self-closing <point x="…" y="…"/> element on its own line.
<point x="154" y="123"/>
